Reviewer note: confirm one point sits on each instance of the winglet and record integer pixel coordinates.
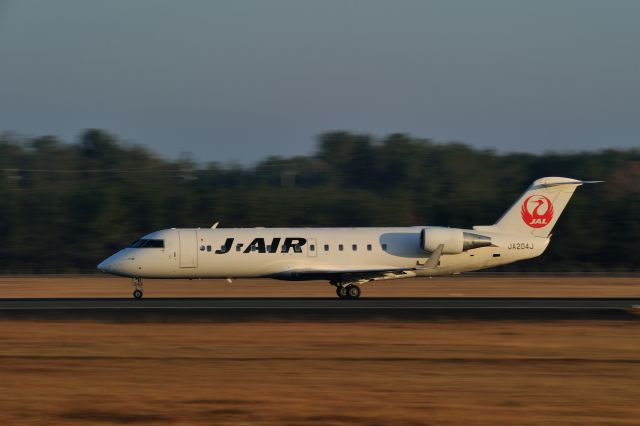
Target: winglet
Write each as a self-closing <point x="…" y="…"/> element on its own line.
<point x="432" y="263"/>
<point x="215" y="225"/>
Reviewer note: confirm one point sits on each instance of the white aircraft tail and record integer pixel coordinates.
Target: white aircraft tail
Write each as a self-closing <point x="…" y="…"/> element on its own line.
<point x="538" y="209"/>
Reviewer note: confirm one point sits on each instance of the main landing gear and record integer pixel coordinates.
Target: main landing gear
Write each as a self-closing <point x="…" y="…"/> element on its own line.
<point x="349" y="291"/>
<point x="138" y="291"/>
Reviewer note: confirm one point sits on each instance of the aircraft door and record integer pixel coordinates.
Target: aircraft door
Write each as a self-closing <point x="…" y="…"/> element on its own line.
<point x="188" y="249"/>
<point x="312" y="247"/>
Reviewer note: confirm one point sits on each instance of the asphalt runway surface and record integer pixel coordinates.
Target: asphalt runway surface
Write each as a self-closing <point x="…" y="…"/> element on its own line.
<point x="320" y="309"/>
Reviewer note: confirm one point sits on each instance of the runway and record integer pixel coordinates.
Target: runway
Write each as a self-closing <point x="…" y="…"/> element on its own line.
<point x="320" y="309"/>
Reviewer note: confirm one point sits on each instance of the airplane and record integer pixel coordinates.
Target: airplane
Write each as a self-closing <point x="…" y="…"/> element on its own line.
<point x="347" y="257"/>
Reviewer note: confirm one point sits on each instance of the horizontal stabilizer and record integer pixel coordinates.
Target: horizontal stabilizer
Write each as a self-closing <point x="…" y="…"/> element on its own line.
<point x="570" y="182"/>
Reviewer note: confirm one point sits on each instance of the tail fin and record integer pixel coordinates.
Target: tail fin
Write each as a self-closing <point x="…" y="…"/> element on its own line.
<point x="538" y="209"/>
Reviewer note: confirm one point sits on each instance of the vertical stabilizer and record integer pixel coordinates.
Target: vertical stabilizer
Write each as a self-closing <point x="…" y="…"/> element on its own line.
<point x="538" y="209"/>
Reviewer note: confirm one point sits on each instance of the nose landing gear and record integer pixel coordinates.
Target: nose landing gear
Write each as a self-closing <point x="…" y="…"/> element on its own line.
<point x="138" y="291"/>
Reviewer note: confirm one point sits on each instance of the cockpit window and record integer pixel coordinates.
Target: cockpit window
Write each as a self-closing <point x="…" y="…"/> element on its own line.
<point x="143" y="243"/>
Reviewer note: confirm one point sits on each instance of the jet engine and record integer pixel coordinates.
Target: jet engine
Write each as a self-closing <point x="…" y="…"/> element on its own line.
<point x="455" y="240"/>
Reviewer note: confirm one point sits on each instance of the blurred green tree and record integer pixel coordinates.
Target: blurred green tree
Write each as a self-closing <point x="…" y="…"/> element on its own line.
<point x="64" y="207"/>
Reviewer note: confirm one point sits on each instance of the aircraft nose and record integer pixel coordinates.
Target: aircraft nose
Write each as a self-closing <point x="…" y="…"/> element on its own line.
<point x="118" y="264"/>
<point x="111" y="264"/>
<point x="104" y="265"/>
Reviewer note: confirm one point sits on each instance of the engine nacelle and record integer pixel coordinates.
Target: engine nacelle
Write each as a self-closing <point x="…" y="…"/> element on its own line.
<point x="455" y="240"/>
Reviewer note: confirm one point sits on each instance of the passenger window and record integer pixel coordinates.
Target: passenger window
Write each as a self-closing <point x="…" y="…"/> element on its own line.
<point x="354" y="247"/>
<point x="269" y="248"/>
<point x="326" y="247"/>
<point x="312" y="247"/>
<point x="340" y="247"/>
<point x="209" y="248"/>
<point x="239" y="247"/>
<point x="368" y="247"/>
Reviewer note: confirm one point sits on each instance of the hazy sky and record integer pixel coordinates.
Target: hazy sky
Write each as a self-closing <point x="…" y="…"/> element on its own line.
<point x="238" y="80"/>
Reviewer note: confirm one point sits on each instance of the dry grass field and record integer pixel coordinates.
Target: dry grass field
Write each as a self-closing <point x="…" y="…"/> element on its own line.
<point x="482" y="373"/>
<point x="456" y="286"/>
<point x="309" y="373"/>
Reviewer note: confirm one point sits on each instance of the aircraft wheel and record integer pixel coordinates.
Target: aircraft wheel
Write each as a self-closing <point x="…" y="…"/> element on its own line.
<point x="353" y="291"/>
<point x="341" y="292"/>
<point x="137" y="294"/>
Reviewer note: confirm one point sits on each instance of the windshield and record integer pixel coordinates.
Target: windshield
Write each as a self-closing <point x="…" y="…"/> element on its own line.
<point x="142" y="243"/>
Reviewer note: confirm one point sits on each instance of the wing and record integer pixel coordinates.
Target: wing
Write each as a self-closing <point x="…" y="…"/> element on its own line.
<point x="354" y="272"/>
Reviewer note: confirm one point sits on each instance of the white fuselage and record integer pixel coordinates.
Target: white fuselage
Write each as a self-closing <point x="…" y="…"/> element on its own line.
<point x="348" y="257"/>
<point x="307" y="253"/>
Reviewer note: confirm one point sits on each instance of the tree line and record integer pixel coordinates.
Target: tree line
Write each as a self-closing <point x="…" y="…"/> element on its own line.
<point x="64" y="207"/>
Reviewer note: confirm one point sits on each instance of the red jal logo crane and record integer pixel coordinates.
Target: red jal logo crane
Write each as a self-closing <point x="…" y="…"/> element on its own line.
<point x="537" y="211"/>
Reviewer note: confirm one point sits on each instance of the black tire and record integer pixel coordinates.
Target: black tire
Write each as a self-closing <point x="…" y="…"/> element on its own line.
<point x="137" y="294"/>
<point x="353" y="291"/>
<point x="341" y="292"/>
